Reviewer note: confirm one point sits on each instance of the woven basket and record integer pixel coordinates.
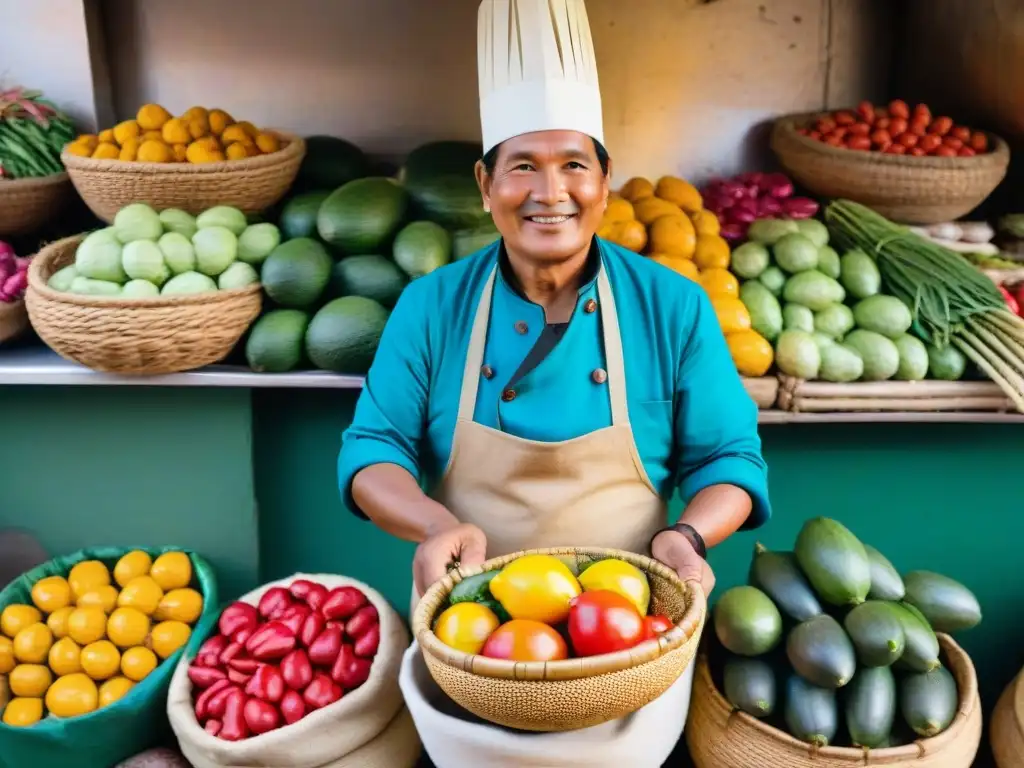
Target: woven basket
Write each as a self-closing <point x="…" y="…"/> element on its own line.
<point x="13" y="320"/>
<point x="800" y="396"/>
<point x="252" y="185"/>
<point x="28" y="204"/>
<point x="574" y="693"/>
<point x="908" y="190"/>
<point x="763" y="390"/>
<point x="137" y="336"/>
<point x="1006" y="726"/>
<point x="720" y="737"/>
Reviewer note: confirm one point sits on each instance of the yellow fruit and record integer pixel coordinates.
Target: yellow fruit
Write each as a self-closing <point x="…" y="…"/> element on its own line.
<point x="127" y="627"/>
<point x="250" y="130"/>
<point x="705" y="223"/>
<point x="29" y="680"/>
<point x="236" y="151"/>
<point x="466" y="626"/>
<point x="79" y="149"/>
<point x="6" y="655"/>
<point x="679" y="192"/>
<point x="105" y="151"/>
<point x="137" y="663"/>
<point x="648" y="209"/>
<point x="108" y="136"/>
<point x="89" y="140"/>
<point x="618" y="209"/>
<point x="172" y="570"/>
<point x="129" y="129"/>
<point x="180" y="151"/>
<point x="731" y="313"/>
<point x="684" y="267"/>
<point x="673" y="233"/>
<point x="100" y="660"/>
<point x="142" y="592"/>
<point x="130" y="149"/>
<point x="175" y="131"/>
<point x="201" y="153"/>
<point x="155" y="151"/>
<point x="71" y="696"/>
<point x="51" y="594"/>
<point x="236" y="133"/>
<point x="114" y="689"/>
<point x="58" y="621"/>
<point x="152" y="136"/>
<point x="198" y="126"/>
<point x="629" y="234"/>
<point x="719" y="282"/>
<point x="22" y="712"/>
<point x="620" y="577"/>
<point x="65" y="657"/>
<point x="151" y="117"/>
<point x="88" y="576"/>
<point x="636" y="188"/>
<point x="751" y="353"/>
<point x="167" y="637"/>
<point x="219" y="121"/>
<point x="102" y="597"/>
<point x="32" y="644"/>
<point x="134" y="564"/>
<point x="193" y="112"/>
<point x="180" y="605"/>
<point x="711" y="251"/>
<point x="537" y="587"/>
<point x="268" y="142"/>
<point x="87" y="625"/>
<point x="16" y="617"/>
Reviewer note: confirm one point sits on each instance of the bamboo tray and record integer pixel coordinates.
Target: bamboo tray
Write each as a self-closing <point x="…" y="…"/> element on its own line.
<point x="763" y="390"/>
<point x="800" y="396"/>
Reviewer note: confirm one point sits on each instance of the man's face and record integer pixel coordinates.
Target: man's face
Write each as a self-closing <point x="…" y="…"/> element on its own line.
<point x="547" y="194"/>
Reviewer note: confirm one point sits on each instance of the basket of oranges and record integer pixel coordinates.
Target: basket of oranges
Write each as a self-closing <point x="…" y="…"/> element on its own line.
<point x="88" y="644"/>
<point x="194" y="161"/>
<point x="514" y="641"/>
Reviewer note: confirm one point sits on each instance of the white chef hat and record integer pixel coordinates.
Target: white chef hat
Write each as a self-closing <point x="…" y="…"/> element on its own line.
<point x="537" y="69"/>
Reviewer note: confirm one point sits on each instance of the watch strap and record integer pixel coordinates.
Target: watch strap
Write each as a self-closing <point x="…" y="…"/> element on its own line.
<point x="692" y="536"/>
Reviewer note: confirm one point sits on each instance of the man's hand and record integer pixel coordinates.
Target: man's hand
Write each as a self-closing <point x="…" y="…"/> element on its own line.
<point x="463" y="542"/>
<point x="675" y="550"/>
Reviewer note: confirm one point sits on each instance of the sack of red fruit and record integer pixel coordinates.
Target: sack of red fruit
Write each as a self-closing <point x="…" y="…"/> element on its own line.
<point x="299" y="673"/>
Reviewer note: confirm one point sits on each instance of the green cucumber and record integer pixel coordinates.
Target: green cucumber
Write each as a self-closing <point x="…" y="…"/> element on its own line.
<point x="747" y="621"/>
<point x="498" y="608"/>
<point x="749" y="685"/>
<point x="929" y="701"/>
<point x="474" y="589"/>
<point x="876" y="632"/>
<point x="871" y="707"/>
<point x="821" y="652"/>
<point x="777" y="574"/>
<point x="948" y="605"/>
<point x="811" y="712"/>
<point x="886" y="583"/>
<point x="834" y="561"/>
<point x="921" y="651"/>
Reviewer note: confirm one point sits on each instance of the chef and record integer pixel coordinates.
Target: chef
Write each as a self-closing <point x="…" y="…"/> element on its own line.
<point x="553" y="389"/>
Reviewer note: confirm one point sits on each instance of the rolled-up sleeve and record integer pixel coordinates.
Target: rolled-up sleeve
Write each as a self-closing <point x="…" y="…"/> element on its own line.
<point x="390" y="414"/>
<point x="715" y="418"/>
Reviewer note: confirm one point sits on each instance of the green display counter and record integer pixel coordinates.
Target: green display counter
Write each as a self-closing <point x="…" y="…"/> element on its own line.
<point x="247" y="476"/>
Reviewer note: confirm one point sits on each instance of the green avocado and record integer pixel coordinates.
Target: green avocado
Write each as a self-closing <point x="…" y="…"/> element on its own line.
<point x="921" y="652"/>
<point x="749" y="685"/>
<point x="821" y="652"/>
<point x="777" y="574"/>
<point x="886" y="583"/>
<point x="811" y="712"/>
<point x="834" y="561"/>
<point x="928" y="701"/>
<point x="876" y="632"/>
<point x="747" y="621"/>
<point x="871" y="707"/>
<point x="948" y="605"/>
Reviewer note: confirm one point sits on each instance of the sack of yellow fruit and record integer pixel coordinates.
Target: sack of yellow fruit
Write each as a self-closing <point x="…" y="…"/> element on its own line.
<point x="88" y="645"/>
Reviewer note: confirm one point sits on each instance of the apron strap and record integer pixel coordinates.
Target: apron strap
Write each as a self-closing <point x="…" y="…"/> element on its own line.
<point x="614" y="360"/>
<point x="475" y="352"/>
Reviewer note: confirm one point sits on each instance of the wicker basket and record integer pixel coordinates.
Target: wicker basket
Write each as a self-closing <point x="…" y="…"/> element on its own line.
<point x="720" y="737"/>
<point x="908" y="190"/>
<point x="800" y="396"/>
<point x="764" y="390"/>
<point x="28" y="204"/>
<point x="136" y="336"/>
<point x="252" y="185"/>
<point x="13" y="320"/>
<point x="1006" y="726"/>
<point x="574" y="693"/>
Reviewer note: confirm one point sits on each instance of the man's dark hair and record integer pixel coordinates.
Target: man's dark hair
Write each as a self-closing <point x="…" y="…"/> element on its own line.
<point x="490" y="159"/>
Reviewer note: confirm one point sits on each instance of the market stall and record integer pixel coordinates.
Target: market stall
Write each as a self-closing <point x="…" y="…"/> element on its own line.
<point x="191" y="297"/>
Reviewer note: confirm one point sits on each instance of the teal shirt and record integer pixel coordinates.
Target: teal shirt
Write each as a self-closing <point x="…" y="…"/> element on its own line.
<point x="693" y="422"/>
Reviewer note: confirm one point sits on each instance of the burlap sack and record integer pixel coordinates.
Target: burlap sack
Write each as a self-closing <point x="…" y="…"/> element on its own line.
<point x="454" y="738"/>
<point x="325" y="738"/>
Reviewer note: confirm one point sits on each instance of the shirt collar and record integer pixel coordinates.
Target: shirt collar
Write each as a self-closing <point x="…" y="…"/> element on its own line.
<point x="590" y="270"/>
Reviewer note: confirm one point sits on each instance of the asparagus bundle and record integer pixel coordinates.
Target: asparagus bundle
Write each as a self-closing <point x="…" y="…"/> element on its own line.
<point x="32" y="134"/>
<point x="951" y="301"/>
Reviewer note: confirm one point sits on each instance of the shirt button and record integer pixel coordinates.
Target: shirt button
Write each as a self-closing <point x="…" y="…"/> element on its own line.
<point x="508" y="395"/>
<point x="590" y="306"/>
<point x="600" y="376"/>
<point x="522" y="327"/>
<point x="487" y="372"/>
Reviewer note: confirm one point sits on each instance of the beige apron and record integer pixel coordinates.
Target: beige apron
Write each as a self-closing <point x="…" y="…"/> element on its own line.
<point x="524" y="494"/>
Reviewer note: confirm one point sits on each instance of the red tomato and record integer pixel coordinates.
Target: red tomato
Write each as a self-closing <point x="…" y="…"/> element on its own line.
<point x="945" y="151"/>
<point x="962" y="133"/>
<point x="859" y="142"/>
<point x="979" y="141"/>
<point x="908" y="140"/>
<point x="845" y="118"/>
<point x="922" y="112"/>
<point x="881" y="137"/>
<point x="895" y="149"/>
<point x="930" y="142"/>
<point x="966" y="152"/>
<point x="834" y="141"/>
<point x="602" y="621"/>
<point x="883" y="123"/>
<point x="867" y="111"/>
<point x="656" y="624"/>
<point x="816" y="135"/>
<point x="917" y="152"/>
<point x="525" y="640"/>
<point x="898" y="108"/>
<point x="826" y="125"/>
<point x="919" y="126"/>
<point x="840" y="132"/>
<point x="860" y="129"/>
<point x="941" y="126"/>
<point x="952" y="142"/>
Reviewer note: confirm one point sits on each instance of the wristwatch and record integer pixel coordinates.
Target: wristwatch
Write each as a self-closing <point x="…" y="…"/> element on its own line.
<point x="692" y="536"/>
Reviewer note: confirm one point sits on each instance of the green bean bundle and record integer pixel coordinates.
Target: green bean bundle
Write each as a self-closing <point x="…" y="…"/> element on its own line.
<point x="951" y="301"/>
<point x="32" y="134"/>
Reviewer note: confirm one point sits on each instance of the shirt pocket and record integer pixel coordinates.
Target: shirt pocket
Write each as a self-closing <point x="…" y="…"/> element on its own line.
<point x="654" y="430"/>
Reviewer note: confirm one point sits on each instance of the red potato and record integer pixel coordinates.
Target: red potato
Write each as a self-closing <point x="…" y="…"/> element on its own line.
<point x="867" y="111"/>
<point x="930" y="142"/>
<point x="898" y="126"/>
<point x="919" y="126"/>
<point x="961" y="132"/>
<point x="274" y="602"/>
<point x="895" y="149"/>
<point x="899" y="109"/>
<point x="261" y="717"/>
<point x="908" y="140"/>
<point x="343" y="602"/>
<point x="952" y="142"/>
<point x="922" y="112"/>
<point x="845" y="118"/>
<point x="941" y="126"/>
<point x="293" y="707"/>
<point x="881" y="136"/>
<point x="979" y="142"/>
<point x="860" y="143"/>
